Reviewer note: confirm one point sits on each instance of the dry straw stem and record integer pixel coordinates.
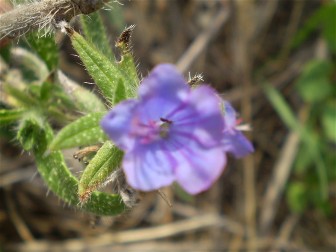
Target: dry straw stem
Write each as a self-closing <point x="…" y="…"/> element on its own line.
<point x="19" y="224"/>
<point x="278" y="181"/>
<point x="245" y="27"/>
<point x="193" y="224"/>
<point x="43" y="14"/>
<point x="201" y="42"/>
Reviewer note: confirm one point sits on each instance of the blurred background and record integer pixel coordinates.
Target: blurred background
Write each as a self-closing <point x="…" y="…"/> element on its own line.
<point x="275" y="61"/>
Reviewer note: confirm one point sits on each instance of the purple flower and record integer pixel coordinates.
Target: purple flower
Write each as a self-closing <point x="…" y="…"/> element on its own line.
<point x="233" y="140"/>
<point x="170" y="133"/>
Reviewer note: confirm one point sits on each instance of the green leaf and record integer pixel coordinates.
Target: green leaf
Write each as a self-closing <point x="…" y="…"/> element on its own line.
<point x="128" y="68"/>
<point x="282" y="107"/>
<point x="21" y="96"/>
<point x="296" y="197"/>
<point x="126" y="63"/>
<point x="33" y="69"/>
<point x="94" y="31"/>
<point x="82" y="132"/>
<point x="10" y="115"/>
<point x="46" y="91"/>
<point x="120" y="92"/>
<point x="5" y="53"/>
<point x="307" y="136"/>
<point x="107" y="159"/>
<point x="45" y="47"/>
<point x="60" y="100"/>
<point x="322" y="19"/>
<point x="55" y="173"/>
<point x="34" y="91"/>
<point x="329" y="121"/>
<point x="31" y="131"/>
<point x="105" y="73"/>
<point x="328" y="23"/>
<point x="314" y="84"/>
<point x="85" y="100"/>
<point x="303" y="161"/>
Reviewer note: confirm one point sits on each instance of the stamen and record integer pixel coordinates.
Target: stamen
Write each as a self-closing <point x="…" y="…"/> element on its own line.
<point x="164" y="127"/>
<point x="166" y="120"/>
<point x="244" y="127"/>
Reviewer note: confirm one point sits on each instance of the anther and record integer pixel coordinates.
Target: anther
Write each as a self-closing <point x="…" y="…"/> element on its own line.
<point x="166" y="120"/>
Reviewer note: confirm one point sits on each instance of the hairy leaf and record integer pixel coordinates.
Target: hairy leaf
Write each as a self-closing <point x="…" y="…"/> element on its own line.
<point x="105" y="73"/>
<point x="82" y="132"/>
<point x="8" y="116"/>
<point x="52" y="167"/>
<point x="33" y="68"/>
<point x="31" y="131"/>
<point x="126" y="64"/>
<point x="106" y="160"/>
<point x="45" y="47"/>
<point x="95" y="32"/>
<point x="21" y="97"/>
<point x="85" y="100"/>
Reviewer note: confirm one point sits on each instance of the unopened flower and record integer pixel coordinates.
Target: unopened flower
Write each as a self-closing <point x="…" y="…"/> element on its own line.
<point x="170" y="133"/>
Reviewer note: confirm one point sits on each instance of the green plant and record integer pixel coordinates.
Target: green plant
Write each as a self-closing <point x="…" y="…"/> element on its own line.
<point x="41" y="98"/>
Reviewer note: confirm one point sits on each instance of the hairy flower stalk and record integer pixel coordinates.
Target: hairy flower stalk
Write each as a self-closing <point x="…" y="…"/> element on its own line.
<point x="171" y="133"/>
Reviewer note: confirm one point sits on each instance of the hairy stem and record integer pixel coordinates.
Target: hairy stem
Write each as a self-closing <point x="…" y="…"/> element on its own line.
<point x="43" y="14"/>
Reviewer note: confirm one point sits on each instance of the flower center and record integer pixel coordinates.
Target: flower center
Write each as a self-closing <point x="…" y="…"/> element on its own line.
<point x="152" y="131"/>
<point x="164" y="127"/>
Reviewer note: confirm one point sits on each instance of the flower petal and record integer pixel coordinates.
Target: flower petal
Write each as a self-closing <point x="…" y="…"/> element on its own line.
<point x="202" y="118"/>
<point x="230" y="116"/>
<point x="162" y="92"/>
<point x="198" y="168"/>
<point x="164" y="81"/>
<point x="148" y="169"/>
<point x="153" y="108"/>
<point x="237" y="144"/>
<point x="117" y="124"/>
